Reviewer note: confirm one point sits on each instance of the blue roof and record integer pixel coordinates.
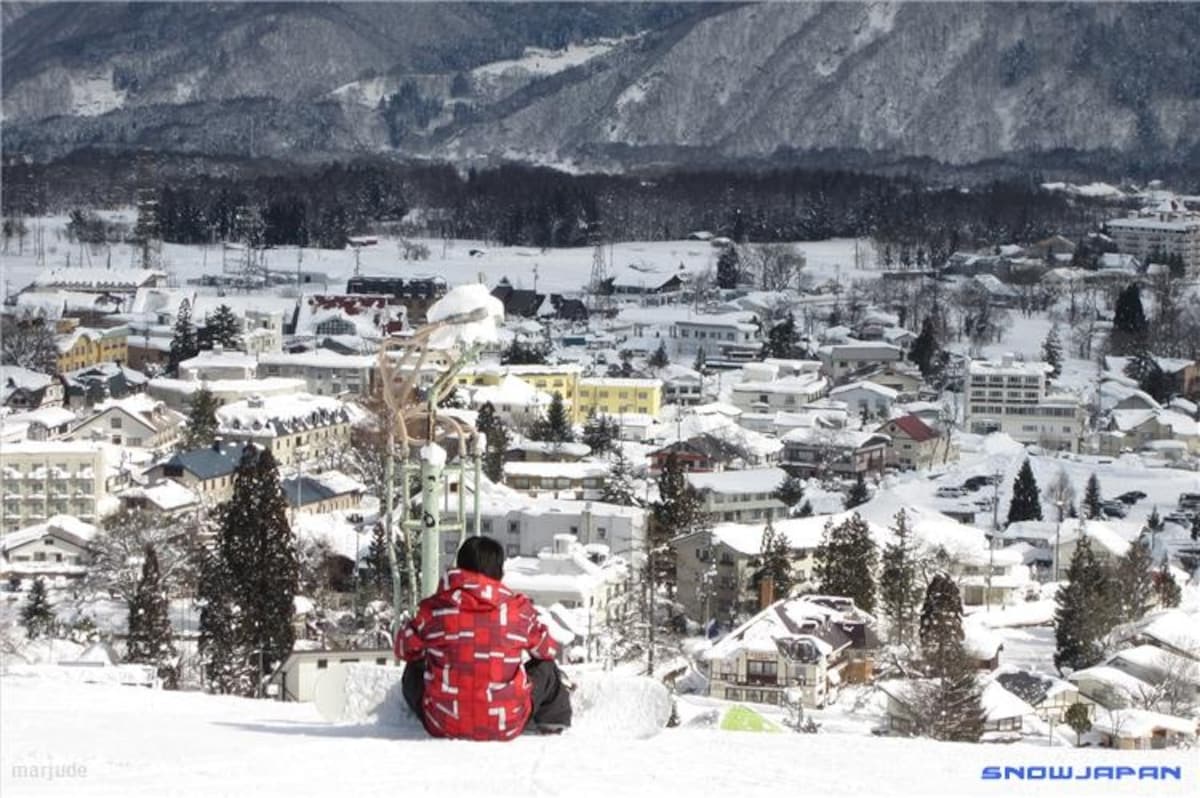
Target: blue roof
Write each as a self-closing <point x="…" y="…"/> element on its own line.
<point x="210" y="462"/>
<point x="306" y="489"/>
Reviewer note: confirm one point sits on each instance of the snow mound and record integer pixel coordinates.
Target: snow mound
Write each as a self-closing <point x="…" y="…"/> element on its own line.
<point x="607" y="705"/>
<point x="364" y="694"/>
<point x="472" y="315"/>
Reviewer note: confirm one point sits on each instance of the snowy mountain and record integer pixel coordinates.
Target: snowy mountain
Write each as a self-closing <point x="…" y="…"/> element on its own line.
<point x="610" y="86"/>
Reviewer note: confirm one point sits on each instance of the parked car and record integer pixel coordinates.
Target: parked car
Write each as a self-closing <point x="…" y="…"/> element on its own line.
<point x="1113" y="509"/>
<point x="951" y="492"/>
<point x="1189" y="501"/>
<point x="1131" y="497"/>
<point x="981" y="481"/>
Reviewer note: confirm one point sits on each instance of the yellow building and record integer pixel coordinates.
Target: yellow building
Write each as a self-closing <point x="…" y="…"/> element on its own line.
<point x="562" y="379"/>
<point x="85" y="346"/>
<point x="616" y="396"/>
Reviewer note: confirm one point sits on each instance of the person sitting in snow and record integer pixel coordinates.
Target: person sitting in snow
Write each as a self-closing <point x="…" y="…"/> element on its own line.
<point x="464" y="677"/>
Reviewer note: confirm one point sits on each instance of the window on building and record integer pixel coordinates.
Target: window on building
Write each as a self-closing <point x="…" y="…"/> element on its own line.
<point x="514" y="527"/>
<point x="115" y="421"/>
<point x="322" y="664"/>
<point x="335" y="327"/>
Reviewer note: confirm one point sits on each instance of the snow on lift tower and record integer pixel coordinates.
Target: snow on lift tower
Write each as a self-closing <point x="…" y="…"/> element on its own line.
<point x="459" y="325"/>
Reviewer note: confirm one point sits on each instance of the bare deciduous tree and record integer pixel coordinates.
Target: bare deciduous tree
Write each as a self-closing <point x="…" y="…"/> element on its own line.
<point x="28" y="341"/>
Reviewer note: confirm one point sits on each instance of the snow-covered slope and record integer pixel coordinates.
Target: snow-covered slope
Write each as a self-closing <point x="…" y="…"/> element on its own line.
<point x="136" y="742"/>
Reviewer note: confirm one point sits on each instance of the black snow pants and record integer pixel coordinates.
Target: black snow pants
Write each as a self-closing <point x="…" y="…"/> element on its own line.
<point x="551" y="700"/>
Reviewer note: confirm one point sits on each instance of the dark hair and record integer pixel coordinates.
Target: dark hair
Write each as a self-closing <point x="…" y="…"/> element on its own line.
<point x="482" y="555"/>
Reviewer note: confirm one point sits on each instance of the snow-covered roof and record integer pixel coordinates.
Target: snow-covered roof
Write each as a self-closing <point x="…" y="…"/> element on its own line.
<point x="1177" y="628"/>
<point x="800" y="533"/>
<point x="751" y="480"/>
<point x="463" y="302"/>
<point x="1104" y="533"/>
<point x="805" y="384"/>
<point x="1124" y="686"/>
<point x="317" y="358"/>
<point x="512" y="391"/>
<point x="226" y="359"/>
<point x="1140" y="723"/>
<point x="548" y="573"/>
<point x="865" y="385"/>
<point x="999" y="704"/>
<point x="335" y="529"/>
<point x="98" y="279"/>
<point x="797" y="619"/>
<point x="69" y="525"/>
<point x="270" y="416"/>
<point x="838" y="438"/>
<point x="1009" y="366"/>
<point x="167" y="495"/>
<point x="14" y="377"/>
<point x="573" y="471"/>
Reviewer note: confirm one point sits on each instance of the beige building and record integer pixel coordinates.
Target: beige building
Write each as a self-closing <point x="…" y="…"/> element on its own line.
<point x="56" y="550"/>
<point x="1011" y="396"/>
<point x="296" y="428"/>
<point x="915" y="445"/>
<point x="42" y="479"/>
<point x="136" y="420"/>
<point x="1169" y="229"/>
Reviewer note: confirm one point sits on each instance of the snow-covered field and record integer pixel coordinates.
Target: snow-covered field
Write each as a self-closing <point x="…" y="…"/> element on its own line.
<point x="135" y="742"/>
<point x="457" y="261"/>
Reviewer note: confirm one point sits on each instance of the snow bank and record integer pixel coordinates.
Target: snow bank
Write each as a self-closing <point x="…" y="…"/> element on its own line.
<point x="611" y="706"/>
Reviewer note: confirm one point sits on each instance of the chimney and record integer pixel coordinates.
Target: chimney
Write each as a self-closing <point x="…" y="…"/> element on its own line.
<point x="1006" y="359"/>
<point x="563" y="543"/>
<point x="216" y="444"/>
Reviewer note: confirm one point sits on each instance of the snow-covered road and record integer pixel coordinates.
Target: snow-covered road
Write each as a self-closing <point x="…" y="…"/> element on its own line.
<point x="136" y="742"/>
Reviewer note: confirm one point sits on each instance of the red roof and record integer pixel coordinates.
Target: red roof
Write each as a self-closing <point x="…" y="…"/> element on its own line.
<point x="914" y="427"/>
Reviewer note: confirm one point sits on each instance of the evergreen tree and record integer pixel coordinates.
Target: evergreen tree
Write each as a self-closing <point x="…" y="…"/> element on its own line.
<point x="776" y="561"/>
<point x="899" y="583"/>
<point x="37" y="616"/>
<point x="201" y="428"/>
<point x="598" y="433"/>
<point x="1144" y="368"/>
<point x="1135" y="576"/>
<point x="183" y="342"/>
<point x="806" y="510"/>
<point x="924" y="351"/>
<point x="660" y="358"/>
<point x="858" y="494"/>
<point x="223" y="327"/>
<point x="1079" y="719"/>
<point x="618" y="487"/>
<point x="257" y="570"/>
<point x="728" y="268"/>
<point x="791" y="493"/>
<point x="1085" y="611"/>
<point x="1129" y="322"/>
<point x="522" y="353"/>
<point x="1166" y="589"/>
<point x="379" y="564"/>
<point x="1196" y="526"/>
<point x="783" y="341"/>
<point x="845" y="562"/>
<point x="949" y="705"/>
<point x="1052" y="351"/>
<point x="1026" y="504"/>
<point x="700" y="364"/>
<point x="676" y="512"/>
<point x="556" y="426"/>
<point x="151" y="641"/>
<point x="227" y="664"/>
<point x="488" y="423"/>
<point x="1091" y="498"/>
<point x="1155" y="523"/>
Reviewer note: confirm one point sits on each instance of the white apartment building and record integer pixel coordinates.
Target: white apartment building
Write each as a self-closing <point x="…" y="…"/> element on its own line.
<point x="218" y="364"/>
<point x="730" y="336"/>
<point x="786" y="394"/>
<point x="740" y="496"/>
<point x="1170" y="229"/>
<point x="325" y="373"/>
<point x="526" y="528"/>
<point x="843" y="360"/>
<point x="1010" y="396"/>
<point x="42" y="479"/>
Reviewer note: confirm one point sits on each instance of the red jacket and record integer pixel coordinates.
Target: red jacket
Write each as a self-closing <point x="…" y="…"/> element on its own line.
<point x="471" y="634"/>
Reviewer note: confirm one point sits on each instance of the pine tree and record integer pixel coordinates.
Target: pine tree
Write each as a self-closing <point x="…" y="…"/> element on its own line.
<point x="845" y="562"/>
<point x="728" y="268"/>
<point x="806" y="510"/>
<point x="488" y="423"/>
<point x="1091" y="498"/>
<point x="700" y="364"/>
<point x="201" y="428"/>
<point x="37" y="616"/>
<point x="222" y="327"/>
<point x="1052" y="351"/>
<point x="1085" y="611"/>
<point x="1079" y="719"/>
<point x="556" y="426"/>
<point x="151" y="641"/>
<point x="782" y="339"/>
<point x="1129" y="322"/>
<point x="379" y="564"/>
<point x="791" y="493"/>
<point x="1166" y="589"/>
<point x="227" y="665"/>
<point x="258" y="567"/>
<point x="1135" y="576"/>
<point x="183" y="342"/>
<point x="924" y="351"/>
<point x="899" y="584"/>
<point x="598" y="433"/>
<point x="676" y="512"/>
<point x="949" y="705"/>
<point x="858" y="494"/>
<point x="776" y="561"/>
<point x="1026" y="504"/>
<point x="1155" y="523"/>
<point x="660" y="358"/>
<point x="618" y="487"/>
<point x="1196" y="526"/>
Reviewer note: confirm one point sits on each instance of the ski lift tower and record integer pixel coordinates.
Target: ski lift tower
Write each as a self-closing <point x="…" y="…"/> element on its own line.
<point x="460" y="323"/>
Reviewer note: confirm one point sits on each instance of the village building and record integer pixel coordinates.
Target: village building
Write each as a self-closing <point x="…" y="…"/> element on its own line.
<point x="295" y="427"/>
<point x="23" y="389"/>
<point x="1011" y="396"/>
<point x="136" y="420"/>
<point x="325" y="373"/>
<point x="57" y="550"/>
<point x="84" y="346"/>
<point x="43" y="479"/>
<point x="739" y="496"/>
